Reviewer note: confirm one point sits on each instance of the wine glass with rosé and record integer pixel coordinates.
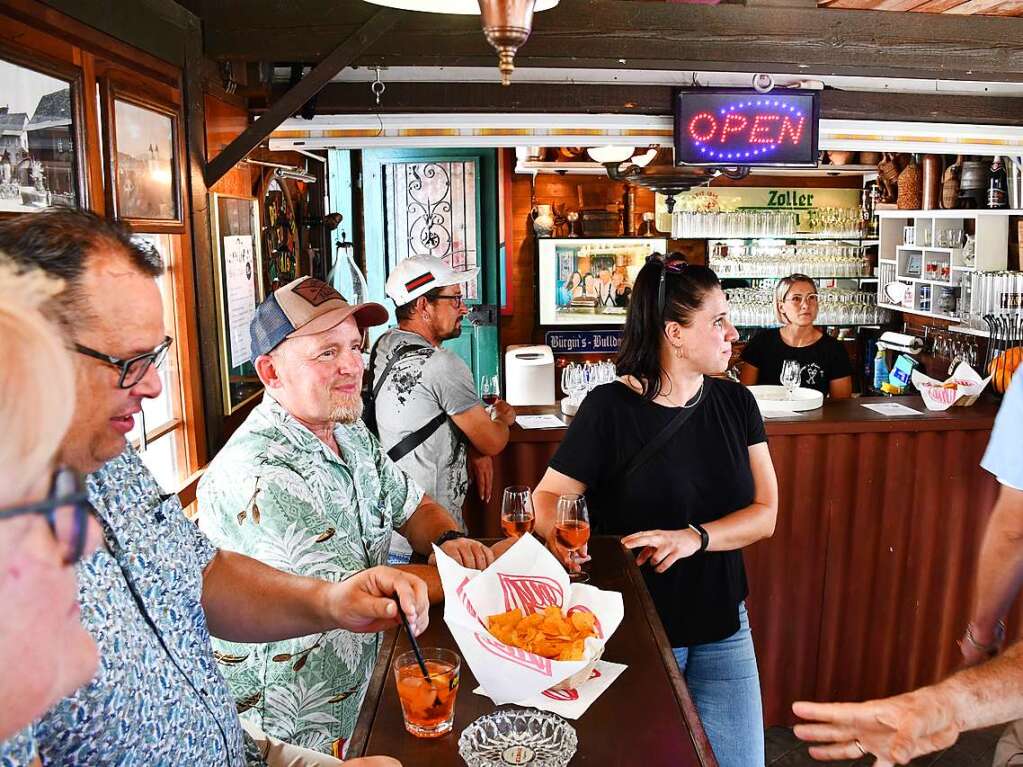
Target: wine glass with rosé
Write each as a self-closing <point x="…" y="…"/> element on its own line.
<point x="517" y="517"/>
<point x="572" y="528"/>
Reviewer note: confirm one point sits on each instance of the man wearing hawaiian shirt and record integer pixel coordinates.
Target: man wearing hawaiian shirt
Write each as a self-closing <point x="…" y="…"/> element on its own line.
<point x="154" y="594"/>
<point x="302" y="485"/>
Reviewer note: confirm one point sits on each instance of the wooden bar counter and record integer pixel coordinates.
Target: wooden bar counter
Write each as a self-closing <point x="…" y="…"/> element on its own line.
<point x="866" y="584"/>
<point x="646" y="714"/>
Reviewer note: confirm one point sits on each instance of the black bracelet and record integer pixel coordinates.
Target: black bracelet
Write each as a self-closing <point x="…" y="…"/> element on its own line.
<point x="704" y="538"/>
<point x="449" y="535"/>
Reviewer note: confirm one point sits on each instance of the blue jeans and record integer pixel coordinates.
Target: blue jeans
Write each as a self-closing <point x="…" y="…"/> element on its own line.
<point x="723" y="680"/>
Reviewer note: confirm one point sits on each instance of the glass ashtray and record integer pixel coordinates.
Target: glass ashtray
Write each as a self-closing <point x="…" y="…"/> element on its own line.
<point x="518" y="736"/>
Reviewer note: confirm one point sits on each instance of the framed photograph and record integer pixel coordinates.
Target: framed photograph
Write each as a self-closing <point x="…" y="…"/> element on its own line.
<point x="589" y="281"/>
<point x="143" y="161"/>
<point x="41" y="142"/>
<point x="238" y="268"/>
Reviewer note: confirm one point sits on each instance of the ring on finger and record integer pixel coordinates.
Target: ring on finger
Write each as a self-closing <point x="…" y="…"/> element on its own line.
<point x="863" y="751"/>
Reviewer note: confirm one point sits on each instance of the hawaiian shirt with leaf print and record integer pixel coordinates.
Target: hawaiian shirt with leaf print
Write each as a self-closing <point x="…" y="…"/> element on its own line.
<point x="158" y="698"/>
<point x="276" y="493"/>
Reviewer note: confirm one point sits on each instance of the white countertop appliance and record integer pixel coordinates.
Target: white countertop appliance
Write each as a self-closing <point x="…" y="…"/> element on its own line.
<point x="529" y="375"/>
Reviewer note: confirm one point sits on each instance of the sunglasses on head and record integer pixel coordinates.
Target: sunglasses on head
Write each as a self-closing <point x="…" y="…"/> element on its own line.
<point x="67" y="511"/>
<point x="668" y="265"/>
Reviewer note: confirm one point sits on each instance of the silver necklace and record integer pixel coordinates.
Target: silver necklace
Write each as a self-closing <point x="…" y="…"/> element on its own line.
<point x="696" y="399"/>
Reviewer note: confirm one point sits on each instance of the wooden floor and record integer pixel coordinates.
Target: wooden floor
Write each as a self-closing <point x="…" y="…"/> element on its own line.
<point x="973" y="749"/>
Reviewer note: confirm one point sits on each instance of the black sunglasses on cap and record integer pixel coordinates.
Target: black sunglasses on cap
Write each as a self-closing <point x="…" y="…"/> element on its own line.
<point x="133" y="369"/>
<point x="668" y="264"/>
<point x="67" y="512"/>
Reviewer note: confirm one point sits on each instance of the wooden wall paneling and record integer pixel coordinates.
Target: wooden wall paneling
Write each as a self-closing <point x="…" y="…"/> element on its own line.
<point x="207" y="342"/>
<point x="105" y="33"/>
<point x="418" y="97"/>
<point x="644" y="36"/>
<point x="787" y="649"/>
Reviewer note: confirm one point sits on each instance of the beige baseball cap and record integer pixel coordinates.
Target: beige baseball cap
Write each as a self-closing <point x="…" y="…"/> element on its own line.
<point x="305" y="307"/>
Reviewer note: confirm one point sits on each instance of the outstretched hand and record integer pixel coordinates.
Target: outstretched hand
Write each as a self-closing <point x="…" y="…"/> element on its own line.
<point x="895" y="730"/>
<point x="662" y="548"/>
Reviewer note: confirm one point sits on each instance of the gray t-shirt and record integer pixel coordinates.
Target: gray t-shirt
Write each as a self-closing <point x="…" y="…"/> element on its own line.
<point x="419" y="386"/>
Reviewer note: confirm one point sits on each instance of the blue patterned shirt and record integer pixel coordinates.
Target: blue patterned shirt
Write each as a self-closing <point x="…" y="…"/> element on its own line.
<point x="158" y="698"/>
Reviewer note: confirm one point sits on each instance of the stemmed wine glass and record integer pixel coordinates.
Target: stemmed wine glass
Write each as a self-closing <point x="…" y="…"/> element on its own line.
<point x="489" y="389"/>
<point x="791" y="372"/>
<point x="572" y="528"/>
<point x="517" y="517"/>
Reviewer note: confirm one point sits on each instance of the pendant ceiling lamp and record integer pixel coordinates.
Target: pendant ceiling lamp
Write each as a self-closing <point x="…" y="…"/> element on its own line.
<point x="506" y="23"/>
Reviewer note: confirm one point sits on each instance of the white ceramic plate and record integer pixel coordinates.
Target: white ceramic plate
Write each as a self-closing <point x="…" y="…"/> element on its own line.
<point x="897" y="291"/>
<point x="776" y="398"/>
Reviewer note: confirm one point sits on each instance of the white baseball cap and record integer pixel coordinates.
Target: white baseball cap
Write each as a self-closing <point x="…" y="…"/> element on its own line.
<point x="415" y="276"/>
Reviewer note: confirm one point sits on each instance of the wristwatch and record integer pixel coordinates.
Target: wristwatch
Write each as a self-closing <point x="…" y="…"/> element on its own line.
<point x="704" y="538"/>
<point x="449" y="535"/>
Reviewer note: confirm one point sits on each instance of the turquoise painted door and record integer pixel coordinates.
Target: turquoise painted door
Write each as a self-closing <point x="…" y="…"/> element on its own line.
<point x="442" y="202"/>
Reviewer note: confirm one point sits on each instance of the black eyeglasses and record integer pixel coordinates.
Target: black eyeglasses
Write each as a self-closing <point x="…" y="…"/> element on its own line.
<point x="133" y="369"/>
<point x="67" y="511"/>
<point x="674" y="266"/>
<point x="458" y="300"/>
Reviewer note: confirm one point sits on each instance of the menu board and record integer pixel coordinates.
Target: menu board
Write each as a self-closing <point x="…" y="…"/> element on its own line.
<point x="239" y="285"/>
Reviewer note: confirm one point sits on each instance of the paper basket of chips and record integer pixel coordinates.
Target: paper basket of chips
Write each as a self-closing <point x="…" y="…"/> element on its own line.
<point x="962" y="388"/>
<point x="522" y="626"/>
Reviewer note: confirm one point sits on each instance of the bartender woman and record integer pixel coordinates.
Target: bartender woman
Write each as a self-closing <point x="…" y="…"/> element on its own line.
<point x="824" y="363"/>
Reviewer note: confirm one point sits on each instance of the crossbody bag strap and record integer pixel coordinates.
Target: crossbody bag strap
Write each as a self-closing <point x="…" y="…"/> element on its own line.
<point x="411" y="441"/>
<point x="651" y="448"/>
<point x="403" y="351"/>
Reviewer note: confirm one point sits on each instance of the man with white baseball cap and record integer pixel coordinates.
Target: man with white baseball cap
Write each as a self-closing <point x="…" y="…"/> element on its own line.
<point x="304" y="486"/>
<point x="429" y="417"/>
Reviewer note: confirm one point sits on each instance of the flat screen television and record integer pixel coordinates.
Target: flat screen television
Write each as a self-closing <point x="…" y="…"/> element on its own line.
<point x="732" y="126"/>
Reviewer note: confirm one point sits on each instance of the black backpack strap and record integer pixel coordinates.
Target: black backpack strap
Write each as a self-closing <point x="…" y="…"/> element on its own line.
<point x="401" y="352"/>
<point x="411" y="441"/>
<point x="654" y="445"/>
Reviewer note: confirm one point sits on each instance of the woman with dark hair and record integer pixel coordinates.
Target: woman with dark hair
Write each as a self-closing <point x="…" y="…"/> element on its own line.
<point x="567" y="290"/>
<point x="822" y="360"/>
<point x="675" y="460"/>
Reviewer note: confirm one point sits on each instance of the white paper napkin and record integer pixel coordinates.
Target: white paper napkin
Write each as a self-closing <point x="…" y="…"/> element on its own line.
<point x="572" y="704"/>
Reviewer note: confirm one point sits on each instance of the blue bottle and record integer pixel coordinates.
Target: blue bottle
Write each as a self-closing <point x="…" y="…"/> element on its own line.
<point x="881" y="371"/>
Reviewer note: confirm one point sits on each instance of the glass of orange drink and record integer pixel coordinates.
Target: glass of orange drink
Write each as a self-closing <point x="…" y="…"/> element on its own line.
<point x="428" y="703"/>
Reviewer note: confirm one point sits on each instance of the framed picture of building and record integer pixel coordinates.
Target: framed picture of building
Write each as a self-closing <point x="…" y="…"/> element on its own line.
<point x="41" y="162"/>
<point x="143" y="161"/>
<point x="584" y="281"/>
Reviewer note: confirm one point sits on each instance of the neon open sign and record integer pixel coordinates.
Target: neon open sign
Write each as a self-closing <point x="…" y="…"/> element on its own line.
<point x="739" y="127"/>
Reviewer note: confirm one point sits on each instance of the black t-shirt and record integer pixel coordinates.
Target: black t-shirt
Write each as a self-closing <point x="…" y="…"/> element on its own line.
<point x="822" y="361"/>
<point x="702" y="474"/>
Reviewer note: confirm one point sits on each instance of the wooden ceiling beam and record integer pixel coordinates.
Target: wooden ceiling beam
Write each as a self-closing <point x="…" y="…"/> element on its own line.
<point x="293" y="100"/>
<point x="643" y="35"/>
<point x="486" y="98"/>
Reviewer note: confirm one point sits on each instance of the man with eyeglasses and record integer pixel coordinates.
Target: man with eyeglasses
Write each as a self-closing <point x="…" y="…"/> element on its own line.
<point x="429" y="417"/>
<point x="157" y="591"/>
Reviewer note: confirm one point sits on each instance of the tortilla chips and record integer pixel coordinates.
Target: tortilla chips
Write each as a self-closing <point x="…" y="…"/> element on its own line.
<point x="547" y="632"/>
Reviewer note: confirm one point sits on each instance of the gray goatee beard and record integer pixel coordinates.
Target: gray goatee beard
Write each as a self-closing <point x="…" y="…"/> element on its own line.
<point x="347" y="411"/>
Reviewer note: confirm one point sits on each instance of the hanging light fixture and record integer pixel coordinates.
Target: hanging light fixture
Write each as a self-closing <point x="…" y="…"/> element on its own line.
<point x="506" y="23"/>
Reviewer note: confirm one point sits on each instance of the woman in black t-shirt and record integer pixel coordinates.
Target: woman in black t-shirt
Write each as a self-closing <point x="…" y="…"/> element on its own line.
<point x="691" y="507"/>
<point x="824" y="363"/>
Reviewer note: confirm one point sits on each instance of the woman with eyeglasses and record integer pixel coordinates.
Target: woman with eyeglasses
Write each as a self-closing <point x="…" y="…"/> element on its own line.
<point x="674" y="459"/>
<point x="46" y="525"/>
<point x="824" y="364"/>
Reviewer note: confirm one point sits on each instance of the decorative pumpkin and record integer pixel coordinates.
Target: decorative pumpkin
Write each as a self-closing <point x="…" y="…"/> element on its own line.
<point x="1004" y="366"/>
